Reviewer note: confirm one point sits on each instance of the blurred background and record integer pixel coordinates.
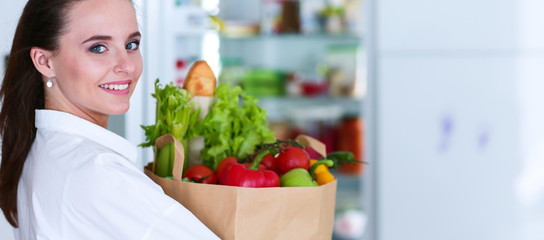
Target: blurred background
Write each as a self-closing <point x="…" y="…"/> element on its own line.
<point x="443" y="99"/>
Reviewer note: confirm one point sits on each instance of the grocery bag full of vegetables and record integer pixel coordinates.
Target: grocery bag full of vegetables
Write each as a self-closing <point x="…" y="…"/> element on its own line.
<point x="215" y="154"/>
<point x="234" y="212"/>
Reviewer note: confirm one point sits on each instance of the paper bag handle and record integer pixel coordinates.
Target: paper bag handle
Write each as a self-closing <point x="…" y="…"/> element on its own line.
<point x="179" y="156"/>
<point x="317" y="145"/>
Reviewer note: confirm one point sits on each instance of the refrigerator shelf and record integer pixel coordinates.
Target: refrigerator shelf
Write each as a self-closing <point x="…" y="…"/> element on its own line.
<point x="311" y="108"/>
<point x="295" y="36"/>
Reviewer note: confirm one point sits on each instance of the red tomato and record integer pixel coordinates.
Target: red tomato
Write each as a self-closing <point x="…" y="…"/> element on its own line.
<point x="291" y="158"/>
<point x="199" y="171"/>
<point x="223" y="163"/>
<point x="270" y="163"/>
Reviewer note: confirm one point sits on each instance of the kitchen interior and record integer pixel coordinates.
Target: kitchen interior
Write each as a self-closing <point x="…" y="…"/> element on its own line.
<point x="442" y="100"/>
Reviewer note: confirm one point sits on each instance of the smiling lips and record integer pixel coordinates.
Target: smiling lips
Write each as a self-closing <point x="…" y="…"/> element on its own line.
<point x="117" y="88"/>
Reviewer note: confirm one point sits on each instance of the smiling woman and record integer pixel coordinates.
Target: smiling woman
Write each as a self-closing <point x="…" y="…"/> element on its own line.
<point x="63" y="175"/>
<point x="99" y="48"/>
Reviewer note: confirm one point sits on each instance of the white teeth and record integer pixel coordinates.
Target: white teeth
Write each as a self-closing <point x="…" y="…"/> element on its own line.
<point x="115" y="86"/>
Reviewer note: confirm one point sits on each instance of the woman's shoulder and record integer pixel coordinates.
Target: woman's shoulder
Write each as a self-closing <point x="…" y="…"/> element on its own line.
<point x="79" y="151"/>
<point x="73" y="161"/>
<point x="103" y="174"/>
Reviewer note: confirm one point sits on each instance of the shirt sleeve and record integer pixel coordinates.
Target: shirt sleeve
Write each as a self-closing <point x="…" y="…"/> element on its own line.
<point x="107" y="198"/>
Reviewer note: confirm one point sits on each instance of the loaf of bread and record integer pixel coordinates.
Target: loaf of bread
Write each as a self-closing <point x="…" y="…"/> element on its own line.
<point x="200" y="80"/>
<point x="200" y="83"/>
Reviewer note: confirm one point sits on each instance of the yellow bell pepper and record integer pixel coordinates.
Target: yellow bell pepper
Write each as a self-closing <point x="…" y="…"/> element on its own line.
<point x="321" y="173"/>
<point x="320" y="168"/>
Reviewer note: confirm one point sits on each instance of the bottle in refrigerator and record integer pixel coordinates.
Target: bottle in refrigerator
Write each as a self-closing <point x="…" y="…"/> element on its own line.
<point x="350" y="138"/>
<point x="270" y="16"/>
<point x="309" y="16"/>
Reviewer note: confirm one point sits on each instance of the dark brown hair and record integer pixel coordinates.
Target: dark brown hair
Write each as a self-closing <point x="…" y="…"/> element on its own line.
<point x="41" y="25"/>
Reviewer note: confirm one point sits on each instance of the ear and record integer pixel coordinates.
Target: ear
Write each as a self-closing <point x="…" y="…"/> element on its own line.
<point x="42" y="61"/>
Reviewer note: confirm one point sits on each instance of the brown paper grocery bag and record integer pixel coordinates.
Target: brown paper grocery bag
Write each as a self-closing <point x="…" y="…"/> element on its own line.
<point x="252" y="213"/>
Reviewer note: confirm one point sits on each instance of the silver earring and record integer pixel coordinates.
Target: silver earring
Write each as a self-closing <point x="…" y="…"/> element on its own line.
<point x="49" y="83"/>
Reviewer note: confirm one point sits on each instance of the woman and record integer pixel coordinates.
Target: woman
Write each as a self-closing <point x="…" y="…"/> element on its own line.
<point x="63" y="174"/>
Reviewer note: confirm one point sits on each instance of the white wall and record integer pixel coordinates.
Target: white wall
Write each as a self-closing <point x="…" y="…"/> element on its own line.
<point x="9" y="15"/>
<point x="458" y="139"/>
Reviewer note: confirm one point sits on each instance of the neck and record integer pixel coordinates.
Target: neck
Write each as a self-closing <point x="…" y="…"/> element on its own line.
<point x="99" y="119"/>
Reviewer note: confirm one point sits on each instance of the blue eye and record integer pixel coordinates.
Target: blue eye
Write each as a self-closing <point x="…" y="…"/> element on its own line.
<point x="132" y="45"/>
<point x="98" y="49"/>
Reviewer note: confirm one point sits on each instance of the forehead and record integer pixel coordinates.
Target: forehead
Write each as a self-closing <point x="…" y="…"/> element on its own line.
<point x="102" y="17"/>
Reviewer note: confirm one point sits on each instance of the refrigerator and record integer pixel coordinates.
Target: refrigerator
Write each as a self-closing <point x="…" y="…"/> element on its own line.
<point x="281" y="64"/>
<point x="455" y="119"/>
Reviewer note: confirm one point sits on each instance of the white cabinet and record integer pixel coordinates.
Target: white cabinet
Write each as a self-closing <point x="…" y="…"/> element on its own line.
<point x="455" y="89"/>
<point x="465" y="25"/>
<point x="448" y="144"/>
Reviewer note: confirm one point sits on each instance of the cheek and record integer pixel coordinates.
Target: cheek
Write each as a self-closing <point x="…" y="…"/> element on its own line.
<point x="80" y="67"/>
<point x="80" y="75"/>
<point x="87" y="74"/>
<point x="138" y="68"/>
<point x="71" y="71"/>
<point x="138" y="63"/>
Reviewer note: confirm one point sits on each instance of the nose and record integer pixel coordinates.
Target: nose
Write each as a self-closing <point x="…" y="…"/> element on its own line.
<point x="125" y="63"/>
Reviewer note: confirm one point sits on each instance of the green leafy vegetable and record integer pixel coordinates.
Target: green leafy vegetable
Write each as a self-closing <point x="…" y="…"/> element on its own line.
<point x="174" y="115"/>
<point x="233" y="128"/>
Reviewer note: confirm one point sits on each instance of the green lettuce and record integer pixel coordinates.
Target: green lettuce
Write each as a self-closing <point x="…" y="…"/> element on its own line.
<point x="235" y="126"/>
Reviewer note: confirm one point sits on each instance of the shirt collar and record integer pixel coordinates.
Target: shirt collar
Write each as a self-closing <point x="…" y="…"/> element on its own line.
<point x="66" y="122"/>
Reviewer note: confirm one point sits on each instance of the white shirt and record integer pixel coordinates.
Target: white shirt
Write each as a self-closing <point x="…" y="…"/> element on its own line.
<point x="80" y="182"/>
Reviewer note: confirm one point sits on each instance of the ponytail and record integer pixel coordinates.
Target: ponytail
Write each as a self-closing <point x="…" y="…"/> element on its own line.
<point x="22" y="92"/>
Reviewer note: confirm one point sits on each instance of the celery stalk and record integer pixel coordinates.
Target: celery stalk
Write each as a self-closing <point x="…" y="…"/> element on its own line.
<point x="174" y="115"/>
<point x="162" y="163"/>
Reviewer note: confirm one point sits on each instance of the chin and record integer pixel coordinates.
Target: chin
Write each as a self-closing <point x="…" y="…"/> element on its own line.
<point x="119" y="111"/>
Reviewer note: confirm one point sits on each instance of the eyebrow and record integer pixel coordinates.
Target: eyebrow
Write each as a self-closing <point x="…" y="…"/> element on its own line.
<point x="135" y="34"/>
<point x="106" y="38"/>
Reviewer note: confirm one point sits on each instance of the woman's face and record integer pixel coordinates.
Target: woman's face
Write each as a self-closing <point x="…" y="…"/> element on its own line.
<point x="98" y="63"/>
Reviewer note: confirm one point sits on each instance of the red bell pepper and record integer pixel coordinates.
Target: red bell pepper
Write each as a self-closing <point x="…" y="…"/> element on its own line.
<point x="223" y="163"/>
<point x="261" y="166"/>
<point x="236" y="174"/>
